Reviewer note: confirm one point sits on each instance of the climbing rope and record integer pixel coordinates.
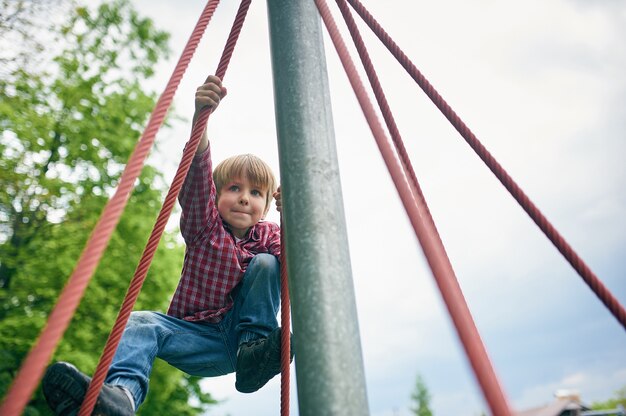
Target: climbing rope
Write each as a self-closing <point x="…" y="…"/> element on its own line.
<point x="416" y="208"/>
<point x="383" y="105"/>
<point x="33" y="366"/>
<point x="285" y="323"/>
<point x="142" y="269"/>
<point x="531" y="209"/>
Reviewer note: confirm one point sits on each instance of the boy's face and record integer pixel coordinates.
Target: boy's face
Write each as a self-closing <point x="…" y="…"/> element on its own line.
<point x="241" y="205"/>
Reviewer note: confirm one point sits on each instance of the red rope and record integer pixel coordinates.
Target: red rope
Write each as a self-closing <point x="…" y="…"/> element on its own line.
<point x="433" y="249"/>
<point x="144" y="264"/>
<point x="542" y="222"/>
<point x="33" y="366"/>
<point x="285" y="322"/>
<point x="382" y="103"/>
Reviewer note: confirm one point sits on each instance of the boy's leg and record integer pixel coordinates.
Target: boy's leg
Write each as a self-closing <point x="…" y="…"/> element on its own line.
<point x="258" y="299"/>
<point x="197" y="348"/>
<point x="256" y="305"/>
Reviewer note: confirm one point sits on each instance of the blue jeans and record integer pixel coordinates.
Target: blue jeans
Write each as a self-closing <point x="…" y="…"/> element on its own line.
<point x="199" y="348"/>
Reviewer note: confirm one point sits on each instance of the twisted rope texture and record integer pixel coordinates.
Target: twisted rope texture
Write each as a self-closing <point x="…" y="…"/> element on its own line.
<point x="148" y="254"/>
<point x="381" y="99"/>
<point x="531" y="209"/>
<point x="32" y="369"/>
<point x="435" y="254"/>
<point x="285" y="323"/>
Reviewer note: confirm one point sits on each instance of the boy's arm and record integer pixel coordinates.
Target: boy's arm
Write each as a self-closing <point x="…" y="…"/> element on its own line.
<point x="197" y="195"/>
<point x="273" y="243"/>
<point x="197" y="199"/>
<point x="204" y="140"/>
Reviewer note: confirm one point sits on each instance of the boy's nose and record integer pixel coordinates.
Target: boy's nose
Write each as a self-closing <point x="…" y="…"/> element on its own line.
<point x="243" y="199"/>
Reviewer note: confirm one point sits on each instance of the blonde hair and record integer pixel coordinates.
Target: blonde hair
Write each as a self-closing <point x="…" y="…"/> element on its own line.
<point x="246" y="166"/>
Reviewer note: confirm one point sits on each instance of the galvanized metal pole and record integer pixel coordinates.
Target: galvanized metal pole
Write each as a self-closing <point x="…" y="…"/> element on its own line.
<point x="329" y="363"/>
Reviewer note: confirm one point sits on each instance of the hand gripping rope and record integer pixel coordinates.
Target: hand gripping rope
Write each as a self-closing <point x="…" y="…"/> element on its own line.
<point x="32" y="369"/>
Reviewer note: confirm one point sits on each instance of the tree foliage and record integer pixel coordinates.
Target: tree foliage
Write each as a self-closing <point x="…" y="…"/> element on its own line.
<point x="66" y="130"/>
<point x="421" y="398"/>
<point x="23" y="29"/>
<point x="618" y="399"/>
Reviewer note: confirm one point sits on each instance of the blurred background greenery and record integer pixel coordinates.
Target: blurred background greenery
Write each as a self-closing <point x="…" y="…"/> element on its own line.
<point x="72" y="108"/>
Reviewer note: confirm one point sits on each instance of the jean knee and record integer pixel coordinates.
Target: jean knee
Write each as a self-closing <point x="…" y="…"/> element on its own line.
<point x="143" y="317"/>
<point x="264" y="262"/>
<point x="138" y="319"/>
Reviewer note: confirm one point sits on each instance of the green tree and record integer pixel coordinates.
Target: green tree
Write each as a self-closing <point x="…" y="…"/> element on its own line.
<point x="421" y="398"/>
<point x="618" y="399"/>
<point x="66" y="130"/>
<point x="23" y="26"/>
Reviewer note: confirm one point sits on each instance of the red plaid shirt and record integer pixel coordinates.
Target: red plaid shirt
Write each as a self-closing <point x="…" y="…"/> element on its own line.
<point x="214" y="261"/>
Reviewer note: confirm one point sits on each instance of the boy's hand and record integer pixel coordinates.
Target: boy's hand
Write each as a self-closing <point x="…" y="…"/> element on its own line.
<point x="210" y="93"/>
<point x="279" y="202"/>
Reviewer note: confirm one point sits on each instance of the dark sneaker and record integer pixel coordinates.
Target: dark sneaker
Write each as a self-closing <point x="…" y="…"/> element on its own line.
<point x="258" y="361"/>
<point x="65" y="387"/>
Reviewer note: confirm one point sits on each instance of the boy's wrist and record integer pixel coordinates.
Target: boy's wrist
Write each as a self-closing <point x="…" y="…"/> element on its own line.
<point x="202" y="148"/>
<point x="200" y="152"/>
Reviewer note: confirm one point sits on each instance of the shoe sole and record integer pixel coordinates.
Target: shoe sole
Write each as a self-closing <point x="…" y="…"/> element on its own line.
<point x="65" y="387"/>
<point x="62" y="390"/>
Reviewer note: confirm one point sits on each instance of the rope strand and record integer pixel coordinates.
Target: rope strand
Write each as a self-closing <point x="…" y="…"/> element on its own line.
<point x="285" y="322"/>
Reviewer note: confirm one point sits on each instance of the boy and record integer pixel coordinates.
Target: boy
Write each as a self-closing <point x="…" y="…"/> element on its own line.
<point x="222" y="317"/>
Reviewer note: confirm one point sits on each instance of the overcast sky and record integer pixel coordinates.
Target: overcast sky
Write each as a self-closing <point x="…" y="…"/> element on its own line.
<point x="542" y="85"/>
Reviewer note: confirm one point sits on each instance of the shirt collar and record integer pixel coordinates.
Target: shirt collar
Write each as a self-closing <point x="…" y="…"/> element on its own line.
<point x="251" y="235"/>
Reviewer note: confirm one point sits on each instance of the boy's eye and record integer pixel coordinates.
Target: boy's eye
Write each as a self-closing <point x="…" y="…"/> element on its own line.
<point x="233" y="188"/>
<point x="256" y="192"/>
